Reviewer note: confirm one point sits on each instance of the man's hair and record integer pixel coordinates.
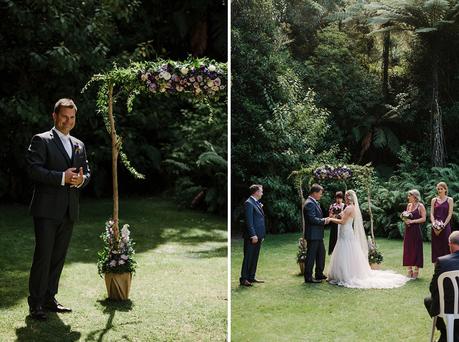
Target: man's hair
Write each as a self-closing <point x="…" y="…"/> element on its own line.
<point x="454" y="238"/>
<point x="66" y="103"/>
<point x="254" y="188"/>
<point x="315" y="188"/>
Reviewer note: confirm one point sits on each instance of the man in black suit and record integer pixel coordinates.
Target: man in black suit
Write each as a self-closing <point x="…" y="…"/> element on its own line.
<point x="445" y="263"/>
<point x="58" y="168"/>
<point x="253" y="235"/>
<point x="314" y="235"/>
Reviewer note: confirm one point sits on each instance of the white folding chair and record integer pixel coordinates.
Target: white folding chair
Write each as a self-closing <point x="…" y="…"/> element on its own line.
<point x="447" y="317"/>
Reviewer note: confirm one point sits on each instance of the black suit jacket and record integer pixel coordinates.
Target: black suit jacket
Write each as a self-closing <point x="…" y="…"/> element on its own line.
<point x="445" y="263"/>
<point x="254" y="219"/>
<point x="314" y="222"/>
<point x="47" y="160"/>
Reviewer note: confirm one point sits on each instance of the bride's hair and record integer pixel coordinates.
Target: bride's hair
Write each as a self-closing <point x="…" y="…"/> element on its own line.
<point x="350" y="194"/>
<point x="359" y="230"/>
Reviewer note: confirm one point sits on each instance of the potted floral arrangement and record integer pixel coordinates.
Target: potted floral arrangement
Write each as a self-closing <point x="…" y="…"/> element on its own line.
<point x="116" y="261"/>
<point x="375" y="257"/>
<point x="301" y="255"/>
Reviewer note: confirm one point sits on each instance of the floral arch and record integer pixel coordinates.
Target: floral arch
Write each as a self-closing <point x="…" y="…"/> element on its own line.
<point x="200" y="80"/>
<point x="359" y="176"/>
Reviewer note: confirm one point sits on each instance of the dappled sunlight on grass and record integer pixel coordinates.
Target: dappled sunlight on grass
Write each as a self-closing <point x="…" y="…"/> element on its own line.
<point x="178" y="292"/>
<point x="285" y="309"/>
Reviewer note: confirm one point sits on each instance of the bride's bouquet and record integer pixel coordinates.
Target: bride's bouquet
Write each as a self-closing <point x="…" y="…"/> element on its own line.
<point x="336" y="210"/>
<point x="438" y="227"/>
<point x="405" y="216"/>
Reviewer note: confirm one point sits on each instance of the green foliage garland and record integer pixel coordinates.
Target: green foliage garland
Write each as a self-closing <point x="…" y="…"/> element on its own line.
<point x="128" y="81"/>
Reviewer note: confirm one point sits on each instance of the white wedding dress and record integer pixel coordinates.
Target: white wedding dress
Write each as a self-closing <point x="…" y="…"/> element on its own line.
<point x="349" y="265"/>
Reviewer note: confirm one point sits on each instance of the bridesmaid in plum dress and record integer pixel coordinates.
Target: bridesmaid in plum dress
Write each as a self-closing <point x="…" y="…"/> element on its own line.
<point x="413" y="256"/>
<point x="441" y="210"/>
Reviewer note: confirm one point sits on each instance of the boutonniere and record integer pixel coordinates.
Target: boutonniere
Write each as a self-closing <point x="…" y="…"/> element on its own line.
<point x="261" y="204"/>
<point x="77" y="148"/>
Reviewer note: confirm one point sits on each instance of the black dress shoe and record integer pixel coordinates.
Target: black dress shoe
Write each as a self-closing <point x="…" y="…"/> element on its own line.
<point x="37" y="313"/>
<point x="54" y="306"/>
<point x="312" y="280"/>
<point x="246" y="283"/>
<point x="322" y="277"/>
<point x="257" y="281"/>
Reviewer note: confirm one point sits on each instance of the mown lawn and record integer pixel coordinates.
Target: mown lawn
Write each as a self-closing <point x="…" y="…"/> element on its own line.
<point x="179" y="292"/>
<point x="285" y="309"/>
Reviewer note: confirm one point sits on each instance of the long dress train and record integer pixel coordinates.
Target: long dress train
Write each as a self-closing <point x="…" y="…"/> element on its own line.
<point x="349" y="265"/>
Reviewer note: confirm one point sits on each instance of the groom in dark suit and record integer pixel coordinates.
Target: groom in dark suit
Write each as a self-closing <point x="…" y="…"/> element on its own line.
<point x="445" y="263"/>
<point x="314" y="235"/>
<point x="58" y="168"/>
<point x="253" y="235"/>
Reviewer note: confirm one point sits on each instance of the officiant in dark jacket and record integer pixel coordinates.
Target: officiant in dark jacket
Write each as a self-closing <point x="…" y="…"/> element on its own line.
<point x="445" y="263"/>
<point x="254" y="234"/>
<point x="334" y="209"/>
<point x="58" y="168"/>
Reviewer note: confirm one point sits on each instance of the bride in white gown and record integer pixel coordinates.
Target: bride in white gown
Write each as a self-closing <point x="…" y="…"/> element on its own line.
<point x="349" y="265"/>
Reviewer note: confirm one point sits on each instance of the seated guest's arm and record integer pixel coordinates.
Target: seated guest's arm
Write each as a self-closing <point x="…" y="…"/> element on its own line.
<point x="434" y="285"/>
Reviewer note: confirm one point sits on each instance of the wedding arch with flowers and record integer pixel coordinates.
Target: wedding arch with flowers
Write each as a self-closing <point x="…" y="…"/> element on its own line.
<point x="196" y="79"/>
<point x="360" y="177"/>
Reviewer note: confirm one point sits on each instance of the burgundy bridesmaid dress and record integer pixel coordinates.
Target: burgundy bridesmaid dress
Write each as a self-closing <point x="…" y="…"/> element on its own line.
<point x="412" y="243"/>
<point x="440" y="245"/>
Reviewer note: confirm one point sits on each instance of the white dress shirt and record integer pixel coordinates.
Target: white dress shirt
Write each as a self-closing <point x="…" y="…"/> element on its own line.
<point x="65" y="139"/>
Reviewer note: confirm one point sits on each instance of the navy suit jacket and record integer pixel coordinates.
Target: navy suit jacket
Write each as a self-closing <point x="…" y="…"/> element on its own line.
<point x="254" y="219"/>
<point x="445" y="263"/>
<point x="314" y="222"/>
<point x="47" y="159"/>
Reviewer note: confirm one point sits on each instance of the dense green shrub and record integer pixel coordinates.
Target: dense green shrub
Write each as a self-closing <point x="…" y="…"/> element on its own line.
<point x="390" y="197"/>
<point x="51" y="49"/>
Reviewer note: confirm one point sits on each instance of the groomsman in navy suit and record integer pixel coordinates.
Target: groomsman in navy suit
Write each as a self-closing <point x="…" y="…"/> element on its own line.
<point x="254" y="234"/>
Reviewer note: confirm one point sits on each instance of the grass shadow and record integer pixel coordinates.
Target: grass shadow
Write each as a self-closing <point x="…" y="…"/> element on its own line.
<point x="220" y="252"/>
<point x="110" y="308"/>
<point x="52" y="329"/>
<point x="153" y="222"/>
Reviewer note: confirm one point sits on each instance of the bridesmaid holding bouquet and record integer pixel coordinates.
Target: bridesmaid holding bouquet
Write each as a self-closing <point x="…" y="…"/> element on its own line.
<point x="440" y="217"/>
<point x="413" y="217"/>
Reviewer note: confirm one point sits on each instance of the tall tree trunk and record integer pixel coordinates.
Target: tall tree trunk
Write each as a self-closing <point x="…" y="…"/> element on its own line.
<point x="115" y="152"/>
<point x="385" y="65"/>
<point x="438" y="139"/>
